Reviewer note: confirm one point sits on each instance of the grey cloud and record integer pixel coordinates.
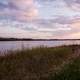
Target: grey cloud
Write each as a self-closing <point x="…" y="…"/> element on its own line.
<point x="72" y="4"/>
<point x="77" y="1"/>
<point x="49" y="23"/>
<point x="29" y="29"/>
<point x="10" y="5"/>
<point x="62" y="20"/>
<point x="72" y="1"/>
<point x="43" y="1"/>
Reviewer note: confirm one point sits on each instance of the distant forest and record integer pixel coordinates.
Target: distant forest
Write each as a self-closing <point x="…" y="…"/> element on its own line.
<point x="30" y="39"/>
<point x="14" y="39"/>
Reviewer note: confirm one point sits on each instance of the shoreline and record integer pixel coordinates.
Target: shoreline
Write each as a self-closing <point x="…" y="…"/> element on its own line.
<point x="38" y="63"/>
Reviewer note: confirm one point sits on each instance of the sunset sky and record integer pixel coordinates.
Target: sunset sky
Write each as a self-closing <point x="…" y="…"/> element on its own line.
<point x="40" y="19"/>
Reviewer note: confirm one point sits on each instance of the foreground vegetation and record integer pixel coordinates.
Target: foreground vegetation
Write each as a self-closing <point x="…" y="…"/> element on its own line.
<point x="59" y="63"/>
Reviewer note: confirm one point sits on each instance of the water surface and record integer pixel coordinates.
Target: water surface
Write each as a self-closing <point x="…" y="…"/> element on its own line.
<point x="13" y="45"/>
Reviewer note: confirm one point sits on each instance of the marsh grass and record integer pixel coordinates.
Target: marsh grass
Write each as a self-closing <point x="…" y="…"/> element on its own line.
<point x="69" y="72"/>
<point x="34" y="64"/>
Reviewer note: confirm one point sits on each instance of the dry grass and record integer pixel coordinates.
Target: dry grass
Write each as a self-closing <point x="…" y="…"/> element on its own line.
<point x="35" y="64"/>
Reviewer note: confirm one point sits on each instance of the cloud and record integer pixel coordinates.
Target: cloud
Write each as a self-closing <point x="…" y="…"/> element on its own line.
<point x="73" y="4"/>
<point x="19" y="33"/>
<point x="24" y="10"/>
<point x="73" y="33"/>
<point x="40" y="18"/>
<point x="28" y="10"/>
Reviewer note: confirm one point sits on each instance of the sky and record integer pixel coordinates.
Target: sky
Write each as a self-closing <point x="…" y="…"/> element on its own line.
<point x="41" y="19"/>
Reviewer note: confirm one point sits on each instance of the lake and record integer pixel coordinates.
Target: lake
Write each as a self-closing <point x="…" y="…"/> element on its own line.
<point x="14" y="45"/>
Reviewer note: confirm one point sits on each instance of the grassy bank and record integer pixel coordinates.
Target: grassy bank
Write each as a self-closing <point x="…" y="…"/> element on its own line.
<point x="41" y="64"/>
<point x="70" y="71"/>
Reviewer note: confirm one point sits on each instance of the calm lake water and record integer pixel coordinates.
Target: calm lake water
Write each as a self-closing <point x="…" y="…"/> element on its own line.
<point x="13" y="45"/>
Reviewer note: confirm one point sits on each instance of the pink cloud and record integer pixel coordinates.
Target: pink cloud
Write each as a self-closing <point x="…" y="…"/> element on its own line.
<point x="27" y="10"/>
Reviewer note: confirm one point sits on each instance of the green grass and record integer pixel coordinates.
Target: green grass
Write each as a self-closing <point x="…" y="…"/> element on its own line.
<point x="69" y="72"/>
<point x="39" y="64"/>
